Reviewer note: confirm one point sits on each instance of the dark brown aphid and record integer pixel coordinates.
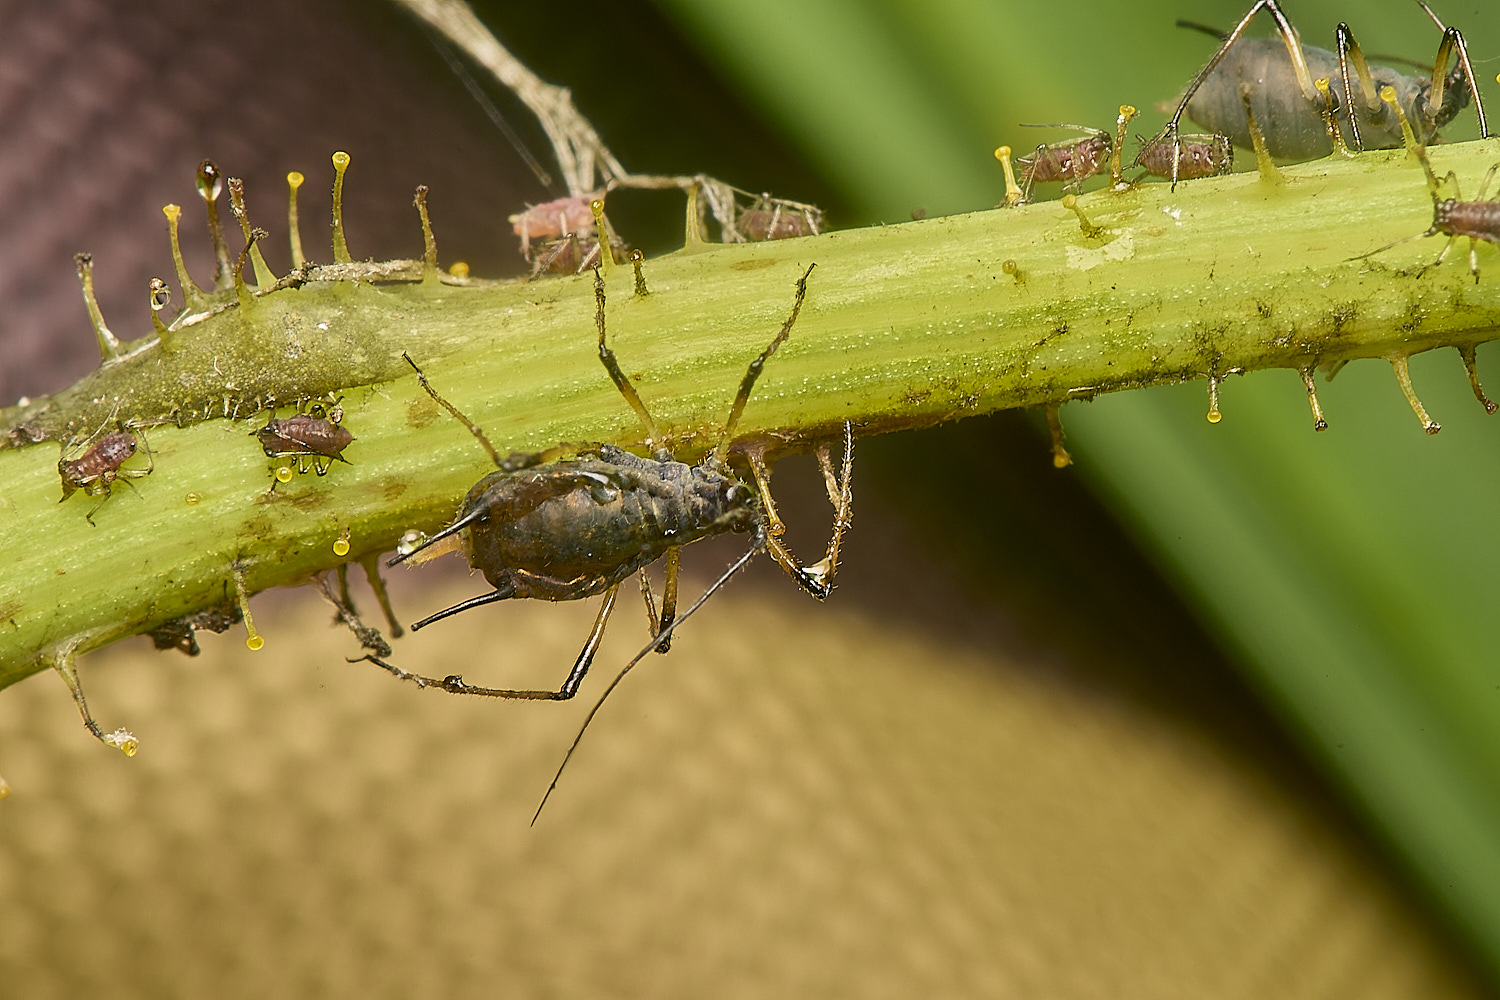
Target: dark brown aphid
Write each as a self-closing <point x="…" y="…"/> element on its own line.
<point x="770" y="218"/>
<point x="562" y="530"/>
<point x="97" y="470"/>
<point x="1071" y="162"/>
<point x="1197" y="156"/>
<point x="1298" y="93"/>
<point x="314" y="439"/>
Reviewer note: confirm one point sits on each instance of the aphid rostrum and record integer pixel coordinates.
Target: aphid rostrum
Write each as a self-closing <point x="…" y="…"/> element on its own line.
<point x="1289" y="82"/>
<point x="96" y="471"/>
<point x="565" y="529"/>
<point x="313" y="438"/>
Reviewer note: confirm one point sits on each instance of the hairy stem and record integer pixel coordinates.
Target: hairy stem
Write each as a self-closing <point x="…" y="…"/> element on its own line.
<point x="903" y="326"/>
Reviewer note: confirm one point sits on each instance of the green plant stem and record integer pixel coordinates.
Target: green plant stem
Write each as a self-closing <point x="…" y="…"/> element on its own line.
<point x="904" y="326"/>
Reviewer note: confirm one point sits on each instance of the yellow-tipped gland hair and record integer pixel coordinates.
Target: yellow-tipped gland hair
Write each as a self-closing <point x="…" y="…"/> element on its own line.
<point x="263" y="276"/>
<point x="210" y="185"/>
<point x="161" y="297"/>
<point x="1214" y="416"/>
<point x="1070" y="202"/>
<point x="253" y="641"/>
<point x="1269" y="175"/>
<point x="241" y="290"/>
<point x="459" y="269"/>
<point x="4" y="788"/>
<point x="340" y="246"/>
<point x="1472" y="370"/>
<point x="1013" y="193"/>
<point x="121" y="739"/>
<point x="1319" y="424"/>
<point x="601" y="229"/>
<point x="1060" y="457"/>
<point x="1403" y="376"/>
<point x="429" y="242"/>
<point x="192" y="295"/>
<point x="341" y="544"/>
<point x="109" y="345"/>
<point x="1413" y="147"/>
<point x="1330" y="120"/>
<point x="294" y="231"/>
<point x="636" y="258"/>
<point x="1116" y="169"/>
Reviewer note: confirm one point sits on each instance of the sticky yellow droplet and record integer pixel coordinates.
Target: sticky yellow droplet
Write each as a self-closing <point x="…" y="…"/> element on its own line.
<point x="1214" y="416"/>
<point x="124" y="741"/>
<point x="192" y="499"/>
<point x="254" y="642"/>
<point x="459" y="269"/>
<point x="341" y="547"/>
<point x="4" y="788"/>
<point x="284" y="474"/>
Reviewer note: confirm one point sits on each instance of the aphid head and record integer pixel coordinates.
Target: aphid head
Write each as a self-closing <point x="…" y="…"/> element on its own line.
<point x="1455" y="99"/>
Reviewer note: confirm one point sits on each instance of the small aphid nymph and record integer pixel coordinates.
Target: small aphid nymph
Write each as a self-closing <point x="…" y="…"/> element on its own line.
<point x="1071" y="162"/>
<point x="313" y="438"/>
<point x="96" y="471"/>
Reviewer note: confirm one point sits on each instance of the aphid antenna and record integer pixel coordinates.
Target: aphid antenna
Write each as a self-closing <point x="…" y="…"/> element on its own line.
<point x="759" y="545"/>
<point x="612" y="364"/>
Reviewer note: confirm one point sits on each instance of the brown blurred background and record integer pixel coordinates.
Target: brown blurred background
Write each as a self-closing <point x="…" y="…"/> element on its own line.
<point x="1003" y="760"/>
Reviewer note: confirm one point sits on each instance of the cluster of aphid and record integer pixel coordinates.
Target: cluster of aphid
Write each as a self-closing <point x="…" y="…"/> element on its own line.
<point x="571" y="522"/>
<point x="1293" y="102"/>
<point x="1276" y="97"/>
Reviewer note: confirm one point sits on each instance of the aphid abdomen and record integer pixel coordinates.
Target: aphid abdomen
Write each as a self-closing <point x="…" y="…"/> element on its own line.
<point x="93" y="471"/>
<point x="1292" y="126"/>
<point x="304" y="435"/>
<point x="1479" y="220"/>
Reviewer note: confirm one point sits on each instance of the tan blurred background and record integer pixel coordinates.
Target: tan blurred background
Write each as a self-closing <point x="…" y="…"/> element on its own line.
<point x="1001" y="761"/>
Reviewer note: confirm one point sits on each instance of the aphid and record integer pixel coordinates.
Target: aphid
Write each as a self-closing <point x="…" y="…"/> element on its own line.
<point x="1071" y="162"/>
<point x="1478" y="219"/>
<point x="314" y="439"/>
<point x="97" y="470"/>
<point x="567" y="231"/>
<point x="1289" y="83"/>
<point x="562" y="530"/>
<point x="1197" y="156"/>
<point x="770" y="218"/>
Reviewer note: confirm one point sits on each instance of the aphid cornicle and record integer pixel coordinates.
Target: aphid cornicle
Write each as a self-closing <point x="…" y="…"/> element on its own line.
<point x="561" y="530"/>
<point x="1288" y="84"/>
<point x="97" y="470"/>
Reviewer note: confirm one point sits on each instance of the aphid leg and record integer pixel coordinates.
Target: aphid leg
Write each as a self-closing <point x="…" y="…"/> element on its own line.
<point x="1214" y="416"/>
<point x="455" y="684"/>
<point x="668" y="599"/>
<point x="371" y="564"/>
<point x="474" y="428"/>
<point x="753" y="372"/>
<point x="1293" y="48"/>
<point x="343" y="608"/>
<point x="61" y="659"/>
<point x="1472" y="370"/>
<point x="1331" y="122"/>
<point x="1116" y="170"/>
<point x="253" y="641"/>
<point x="1013" y="194"/>
<point x="616" y="374"/>
<point x="817" y="579"/>
<point x="294" y="232"/>
<point x="1268" y="173"/>
<point x="1453" y="41"/>
<point x="1319" y="424"/>
<point x="1349" y="51"/>
<point x="1090" y="230"/>
<point x="1403" y="376"/>
<point x="1060" y="457"/>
